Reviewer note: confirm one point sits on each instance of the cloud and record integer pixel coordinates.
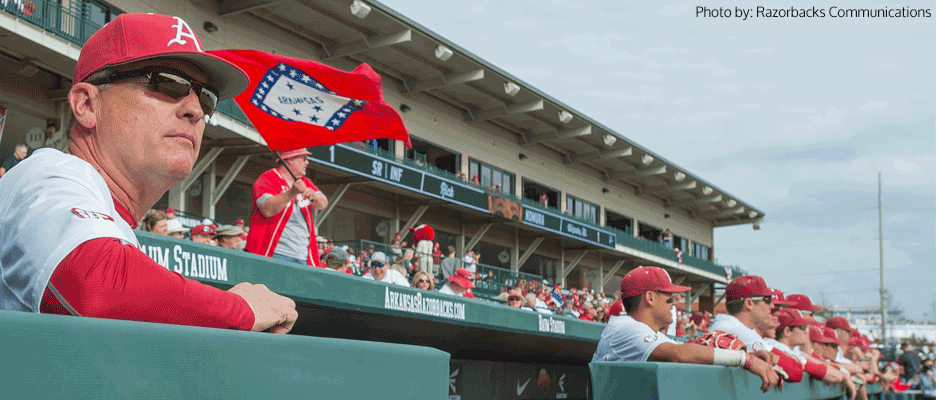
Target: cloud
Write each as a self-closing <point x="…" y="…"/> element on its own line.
<point x="476" y="8"/>
<point x="831" y="119"/>
<point x="523" y="24"/>
<point x="764" y="51"/>
<point x="640" y="76"/>
<point x="700" y="117"/>
<point x="912" y="166"/>
<point x="874" y="106"/>
<point x="815" y="154"/>
<point x="883" y="64"/>
<point x="750" y="106"/>
<point x="676" y="10"/>
<point x="729" y="88"/>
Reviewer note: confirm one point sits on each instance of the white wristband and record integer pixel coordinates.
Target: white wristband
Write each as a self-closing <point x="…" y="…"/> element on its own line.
<point x="845" y="371"/>
<point x="730" y="358"/>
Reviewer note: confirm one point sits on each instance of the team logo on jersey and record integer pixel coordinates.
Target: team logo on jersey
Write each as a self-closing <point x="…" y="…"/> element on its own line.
<point x="650" y="338"/>
<point x="288" y="93"/>
<point x="90" y="214"/>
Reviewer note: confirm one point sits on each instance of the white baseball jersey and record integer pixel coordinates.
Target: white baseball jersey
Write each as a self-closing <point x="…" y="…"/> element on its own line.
<point x="49" y="204"/>
<point x="730" y="324"/>
<point x="786" y="349"/>
<point x="629" y="340"/>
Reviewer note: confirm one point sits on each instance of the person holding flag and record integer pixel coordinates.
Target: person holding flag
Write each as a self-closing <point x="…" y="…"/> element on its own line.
<point x="281" y="211"/>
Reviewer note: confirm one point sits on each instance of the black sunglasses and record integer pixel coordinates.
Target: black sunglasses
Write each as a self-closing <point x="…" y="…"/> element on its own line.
<point x="765" y="299"/>
<point x="377" y="264"/>
<point x="423" y="281"/>
<point x="671" y="299"/>
<point x="169" y="82"/>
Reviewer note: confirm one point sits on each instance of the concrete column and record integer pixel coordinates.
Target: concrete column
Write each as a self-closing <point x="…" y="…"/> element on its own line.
<point x="515" y="252"/>
<point x="208" y="208"/>
<point x="177" y="197"/>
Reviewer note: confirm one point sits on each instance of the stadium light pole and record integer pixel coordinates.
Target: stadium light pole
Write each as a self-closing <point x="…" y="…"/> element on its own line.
<point x="881" y="254"/>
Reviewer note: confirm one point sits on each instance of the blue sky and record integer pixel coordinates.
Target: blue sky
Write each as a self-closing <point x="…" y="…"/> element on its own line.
<point x="794" y="116"/>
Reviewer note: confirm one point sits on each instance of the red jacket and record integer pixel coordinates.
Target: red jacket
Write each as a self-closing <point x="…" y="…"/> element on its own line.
<point x="265" y="232"/>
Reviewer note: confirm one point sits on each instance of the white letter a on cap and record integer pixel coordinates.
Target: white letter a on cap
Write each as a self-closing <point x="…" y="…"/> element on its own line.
<point x="187" y="33"/>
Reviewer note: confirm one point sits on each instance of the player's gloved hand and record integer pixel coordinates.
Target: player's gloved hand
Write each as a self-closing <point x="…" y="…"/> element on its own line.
<point x="272" y="312"/>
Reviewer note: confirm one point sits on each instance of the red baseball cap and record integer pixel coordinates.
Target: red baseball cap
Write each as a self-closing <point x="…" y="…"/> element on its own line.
<point x="815" y="334"/>
<point x="802" y="302"/>
<point x="838" y="322"/>
<point x="293" y="153"/>
<point x="778" y="299"/>
<point x="135" y="37"/>
<point x="791" y="317"/>
<point x="203" y="230"/>
<point x="616" y="309"/>
<point x="238" y="221"/>
<point x="746" y="286"/>
<point x="830" y="335"/>
<point x="463" y="278"/>
<point x="169" y="210"/>
<point x="646" y="279"/>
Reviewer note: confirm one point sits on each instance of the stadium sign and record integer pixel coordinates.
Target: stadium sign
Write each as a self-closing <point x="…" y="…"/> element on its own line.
<point x="567" y="227"/>
<point x="188" y="262"/>
<point x="363" y="163"/>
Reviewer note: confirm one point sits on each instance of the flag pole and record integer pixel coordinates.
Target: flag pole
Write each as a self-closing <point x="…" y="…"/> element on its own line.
<point x="280" y="158"/>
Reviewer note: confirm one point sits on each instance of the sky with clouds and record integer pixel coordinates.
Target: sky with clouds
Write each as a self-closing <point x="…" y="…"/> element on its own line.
<point x="795" y="116"/>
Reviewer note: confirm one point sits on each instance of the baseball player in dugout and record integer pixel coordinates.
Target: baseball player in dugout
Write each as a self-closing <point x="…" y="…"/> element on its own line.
<point x="141" y="91"/>
<point x="648" y="294"/>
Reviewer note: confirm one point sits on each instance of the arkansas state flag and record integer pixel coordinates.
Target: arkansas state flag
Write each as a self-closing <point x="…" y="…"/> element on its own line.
<point x="297" y="103"/>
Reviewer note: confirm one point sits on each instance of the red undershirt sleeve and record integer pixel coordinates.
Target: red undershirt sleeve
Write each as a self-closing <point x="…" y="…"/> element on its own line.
<point x="790" y="365"/>
<point x="104" y="278"/>
<point x="815" y="370"/>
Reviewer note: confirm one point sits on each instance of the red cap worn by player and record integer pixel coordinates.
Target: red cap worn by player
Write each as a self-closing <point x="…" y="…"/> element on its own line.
<point x="830" y="335"/>
<point x="838" y="322"/>
<point x="747" y="286"/>
<point x="779" y="300"/>
<point x="790" y="317"/>
<point x="815" y="334"/>
<point x="130" y="37"/>
<point x="802" y="302"/>
<point x="648" y="279"/>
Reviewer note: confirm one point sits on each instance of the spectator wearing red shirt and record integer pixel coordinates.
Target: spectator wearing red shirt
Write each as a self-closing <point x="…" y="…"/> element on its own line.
<point x="281" y="211"/>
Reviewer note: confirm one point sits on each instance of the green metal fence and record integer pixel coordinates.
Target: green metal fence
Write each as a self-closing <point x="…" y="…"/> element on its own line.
<point x="69" y="23"/>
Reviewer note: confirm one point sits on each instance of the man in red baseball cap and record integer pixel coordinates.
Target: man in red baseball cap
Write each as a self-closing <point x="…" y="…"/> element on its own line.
<point x="281" y="224"/>
<point x="749" y="302"/>
<point x="142" y="89"/>
<point x="803" y="303"/>
<point x="792" y="334"/>
<point x="648" y="295"/>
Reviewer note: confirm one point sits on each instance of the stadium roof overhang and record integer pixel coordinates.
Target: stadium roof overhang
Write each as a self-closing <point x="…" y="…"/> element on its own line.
<point x="423" y="64"/>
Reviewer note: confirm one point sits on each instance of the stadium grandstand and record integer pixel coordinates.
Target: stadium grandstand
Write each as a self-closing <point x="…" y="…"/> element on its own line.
<point x="539" y="190"/>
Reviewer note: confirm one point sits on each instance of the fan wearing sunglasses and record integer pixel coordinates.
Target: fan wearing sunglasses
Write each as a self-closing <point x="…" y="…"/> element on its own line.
<point x="422" y="280"/>
<point x="750" y="304"/>
<point x="647" y="295"/>
<point x="380" y="271"/>
<point x="142" y="89"/>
